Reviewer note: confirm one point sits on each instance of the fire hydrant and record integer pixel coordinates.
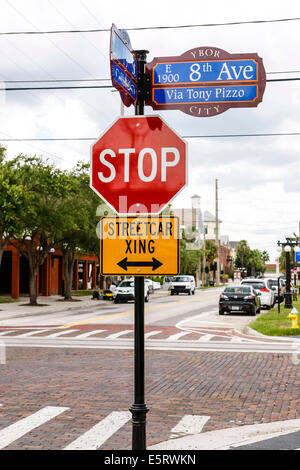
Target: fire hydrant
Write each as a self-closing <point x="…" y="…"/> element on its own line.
<point x="294" y="317"/>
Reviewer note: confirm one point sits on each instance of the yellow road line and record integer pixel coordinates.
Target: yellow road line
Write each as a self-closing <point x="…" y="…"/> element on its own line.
<point x="129" y="312"/>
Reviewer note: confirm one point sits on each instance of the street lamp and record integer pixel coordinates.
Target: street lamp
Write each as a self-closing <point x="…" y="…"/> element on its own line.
<point x="290" y="241"/>
<point x="288" y="295"/>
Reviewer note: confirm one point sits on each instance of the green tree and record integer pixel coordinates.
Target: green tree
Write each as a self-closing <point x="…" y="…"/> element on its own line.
<point x="38" y="221"/>
<point x="254" y="261"/>
<point x="10" y="200"/>
<point x="189" y="259"/>
<point x="242" y="254"/>
<point x="210" y="251"/>
<point x="77" y="228"/>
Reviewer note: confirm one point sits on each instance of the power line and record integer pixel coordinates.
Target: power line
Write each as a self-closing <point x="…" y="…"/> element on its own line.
<point x="62" y="80"/>
<point x="240" y="135"/>
<point x="67" y="80"/>
<point x="76" y="87"/>
<point x="73" y="87"/>
<point x="145" y="28"/>
<point x="50" y="139"/>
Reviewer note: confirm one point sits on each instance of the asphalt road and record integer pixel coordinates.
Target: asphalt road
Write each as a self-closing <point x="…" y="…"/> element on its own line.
<point x="162" y="309"/>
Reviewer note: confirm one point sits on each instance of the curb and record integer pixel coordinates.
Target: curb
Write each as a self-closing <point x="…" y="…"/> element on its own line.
<point x="250" y="331"/>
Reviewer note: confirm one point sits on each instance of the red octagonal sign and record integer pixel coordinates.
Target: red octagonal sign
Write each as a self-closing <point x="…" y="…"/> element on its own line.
<point x="138" y="165"/>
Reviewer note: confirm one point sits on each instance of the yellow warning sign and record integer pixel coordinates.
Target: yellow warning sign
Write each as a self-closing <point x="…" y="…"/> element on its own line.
<point x="139" y="245"/>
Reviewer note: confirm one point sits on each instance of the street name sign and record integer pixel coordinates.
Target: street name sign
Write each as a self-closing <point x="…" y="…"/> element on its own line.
<point x="297" y="256"/>
<point x="123" y="65"/>
<point x="205" y="81"/>
<point x="138" y="165"/>
<point x="139" y="245"/>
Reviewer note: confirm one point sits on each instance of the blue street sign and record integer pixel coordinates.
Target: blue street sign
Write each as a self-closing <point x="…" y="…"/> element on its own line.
<point x="202" y="94"/>
<point x="121" y="53"/>
<point x="121" y="80"/>
<point x="214" y="71"/>
<point x="297" y="256"/>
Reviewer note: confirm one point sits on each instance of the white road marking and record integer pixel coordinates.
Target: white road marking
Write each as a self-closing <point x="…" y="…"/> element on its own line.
<point x="117" y="335"/>
<point x="206" y="337"/>
<point x="189" y="424"/>
<point x="3" y="333"/>
<point x="60" y="333"/>
<point x="25" y="425"/>
<point x="31" y="333"/>
<point x="89" y="333"/>
<point x="151" y="333"/>
<point x="177" y="335"/>
<point x="98" y="434"/>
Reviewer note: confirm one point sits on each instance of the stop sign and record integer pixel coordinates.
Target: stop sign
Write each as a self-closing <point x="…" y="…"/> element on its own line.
<point x="138" y="165"/>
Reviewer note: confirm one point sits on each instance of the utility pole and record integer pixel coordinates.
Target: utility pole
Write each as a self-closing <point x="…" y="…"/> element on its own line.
<point x="217" y="236"/>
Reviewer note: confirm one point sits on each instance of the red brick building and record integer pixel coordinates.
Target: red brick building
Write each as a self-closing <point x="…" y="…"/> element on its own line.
<point x="14" y="273"/>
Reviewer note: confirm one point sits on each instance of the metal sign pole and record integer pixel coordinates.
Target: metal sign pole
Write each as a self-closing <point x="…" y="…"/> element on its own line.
<point x="139" y="408"/>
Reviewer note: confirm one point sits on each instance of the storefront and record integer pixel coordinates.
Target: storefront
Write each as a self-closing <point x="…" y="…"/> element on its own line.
<point x="14" y="274"/>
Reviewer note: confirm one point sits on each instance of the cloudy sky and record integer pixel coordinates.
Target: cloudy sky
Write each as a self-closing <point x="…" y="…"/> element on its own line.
<point x="259" y="176"/>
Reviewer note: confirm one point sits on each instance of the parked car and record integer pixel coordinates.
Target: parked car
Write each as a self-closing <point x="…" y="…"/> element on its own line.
<point x="279" y="297"/>
<point x="125" y="291"/>
<point x="182" y="284"/>
<point x="239" y="299"/>
<point x="267" y="299"/>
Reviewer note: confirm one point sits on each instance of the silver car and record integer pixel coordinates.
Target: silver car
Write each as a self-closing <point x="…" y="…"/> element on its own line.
<point x="279" y="297"/>
<point x="267" y="297"/>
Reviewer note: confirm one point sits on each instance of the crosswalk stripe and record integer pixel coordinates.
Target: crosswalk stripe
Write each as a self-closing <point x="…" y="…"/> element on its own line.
<point x="151" y="333"/>
<point x="117" y="335"/>
<point x="60" y="333"/>
<point x="3" y="333"/>
<point x="177" y="336"/>
<point x="189" y="424"/>
<point x="31" y="333"/>
<point x="25" y="425"/>
<point x="89" y="333"/>
<point x="98" y="434"/>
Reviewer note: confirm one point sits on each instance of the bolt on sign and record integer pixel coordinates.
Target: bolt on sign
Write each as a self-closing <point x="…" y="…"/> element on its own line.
<point x="139" y="246"/>
<point x="205" y="81"/>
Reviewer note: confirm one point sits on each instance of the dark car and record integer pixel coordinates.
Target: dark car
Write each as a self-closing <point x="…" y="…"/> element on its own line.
<point x="239" y="299"/>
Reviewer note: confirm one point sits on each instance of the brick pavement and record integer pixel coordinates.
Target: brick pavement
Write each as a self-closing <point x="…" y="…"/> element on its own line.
<point x="232" y="388"/>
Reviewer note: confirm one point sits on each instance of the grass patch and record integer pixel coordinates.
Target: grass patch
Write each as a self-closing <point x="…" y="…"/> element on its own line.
<point x="84" y="292"/>
<point x="273" y="323"/>
<point x="7" y="300"/>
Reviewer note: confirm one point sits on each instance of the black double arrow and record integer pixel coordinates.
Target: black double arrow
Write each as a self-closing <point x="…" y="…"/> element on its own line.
<point x="124" y="264"/>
